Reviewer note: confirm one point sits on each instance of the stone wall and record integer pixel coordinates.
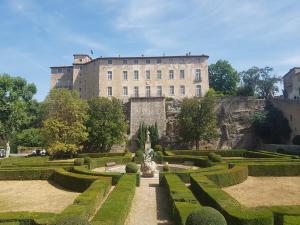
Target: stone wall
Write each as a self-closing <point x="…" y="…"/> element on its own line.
<point x="234" y="122"/>
<point x="291" y="111"/>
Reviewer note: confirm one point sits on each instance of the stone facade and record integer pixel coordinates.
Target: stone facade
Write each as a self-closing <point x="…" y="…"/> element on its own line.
<point x="126" y="77"/>
<point x="291" y="82"/>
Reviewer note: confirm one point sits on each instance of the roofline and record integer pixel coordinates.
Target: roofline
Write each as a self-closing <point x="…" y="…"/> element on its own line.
<point x="82" y="55"/>
<point x="294" y="68"/>
<point x="52" y="67"/>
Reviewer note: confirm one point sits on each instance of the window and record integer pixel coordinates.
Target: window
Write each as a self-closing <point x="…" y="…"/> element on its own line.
<point x="109" y="91"/>
<point x="198" y="90"/>
<point x="136" y="61"/>
<point x="148" y="91"/>
<point x="147" y="61"/>
<point x="58" y="83"/>
<point x="125" y="75"/>
<point x="109" y="61"/>
<point x="136" y="91"/>
<point x="125" y="91"/>
<point x="171" y="90"/>
<point x="109" y="75"/>
<point x="147" y="74"/>
<point x="171" y="74"/>
<point x="159" y="91"/>
<point x="181" y="74"/>
<point x="59" y="70"/>
<point x="136" y="75"/>
<point x="198" y="75"/>
<point x="68" y="69"/>
<point x="299" y="78"/>
<point x="158" y="74"/>
<point x="80" y="67"/>
<point x="124" y="61"/>
<point x="182" y="89"/>
<point x="158" y="61"/>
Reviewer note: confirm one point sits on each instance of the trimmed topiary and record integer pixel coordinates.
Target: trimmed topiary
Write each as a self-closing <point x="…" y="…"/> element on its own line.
<point x="79" y="162"/>
<point x="131" y="167"/>
<point x="158" y="148"/>
<point x="205" y="216"/>
<point x="166" y="168"/>
<point x="72" y="220"/>
<point x="215" y="157"/>
<point x="87" y="160"/>
<point x="139" y="156"/>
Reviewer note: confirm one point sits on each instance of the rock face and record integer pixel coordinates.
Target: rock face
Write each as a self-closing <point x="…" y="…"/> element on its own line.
<point x="233" y="118"/>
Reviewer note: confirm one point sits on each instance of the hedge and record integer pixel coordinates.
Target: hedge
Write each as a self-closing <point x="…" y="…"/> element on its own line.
<point x="223" y="153"/>
<point x="115" y="209"/>
<point x="99" y="155"/>
<point x="75" y="182"/>
<point x="181" y="200"/>
<point x="201" y="161"/>
<point x="26" y="173"/>
<point x="208" y="193"/>
<point x="291" y="220"/>
<point x="100" y="162"/>
<point x="27" y="218"/>
<point x="86" y="204"/>
<point x="274" y="170"/>
<point x="229" y="177"/>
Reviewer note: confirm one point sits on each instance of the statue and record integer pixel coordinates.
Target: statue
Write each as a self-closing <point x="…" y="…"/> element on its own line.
<point x="148" y="166"/>
<point x="7" y="153"/>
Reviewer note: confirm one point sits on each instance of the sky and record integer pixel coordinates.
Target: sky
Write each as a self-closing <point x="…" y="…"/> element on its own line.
<point x="37" y="34"/>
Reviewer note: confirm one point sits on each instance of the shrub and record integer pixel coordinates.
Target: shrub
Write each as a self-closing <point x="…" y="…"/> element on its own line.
<point x="296" y="140"/>
<point x="158" y="158"/>
<point x="166" y="168"/>
<point x="87" y="160"/>
<point x="79" y="162"/>
<point x="215" y="157"/>
<point x="72" y="220"/>
<point x="131" y="167"/>
<point x="206" y="216"/>
<point x="139" y="156"/>
<point x="158" y="148"/>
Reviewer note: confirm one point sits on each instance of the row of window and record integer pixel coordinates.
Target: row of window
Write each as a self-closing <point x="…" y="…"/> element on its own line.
<point x="158" y="75"/>
<point x="61" y="70"/>
<point x="136" y="61"/>
<point x="159" y="91"/>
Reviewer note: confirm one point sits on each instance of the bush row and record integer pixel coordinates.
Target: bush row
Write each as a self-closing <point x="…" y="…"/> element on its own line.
<point x="99" y="155"/>
<point x="201" y="161"/>
<point x="286" y="169"/>
<point x="181" y="200"/>
<point x="115" y="209"/>
<point x="86" y="204"/>
<point x="208" y="193"/>
<point x="100" y="162"/>
<point x="75" y="182"/>
<point x="223" y="153"/>
<point x="26" y="173"/>
<point x="26" y="218"/>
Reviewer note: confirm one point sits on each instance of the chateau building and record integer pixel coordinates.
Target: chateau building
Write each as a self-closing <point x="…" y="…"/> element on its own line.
<point x="291" y="82"/>
<point x="126" y="77"/>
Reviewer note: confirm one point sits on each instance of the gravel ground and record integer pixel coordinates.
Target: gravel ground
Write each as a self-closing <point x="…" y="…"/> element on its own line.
<point x="34" y="196"/>
<point x="267" y="191"/>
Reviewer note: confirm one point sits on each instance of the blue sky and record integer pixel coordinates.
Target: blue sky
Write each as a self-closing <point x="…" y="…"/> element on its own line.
<point x="36" y="34"/>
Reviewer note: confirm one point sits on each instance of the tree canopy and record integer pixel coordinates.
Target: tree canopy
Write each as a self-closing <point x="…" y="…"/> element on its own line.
<point x="223" y="77"/>
<point x="106" y="123"/>
<point x="197" y="120"/>
<point x="64" y="129"/>
<point x="18" y="110"/>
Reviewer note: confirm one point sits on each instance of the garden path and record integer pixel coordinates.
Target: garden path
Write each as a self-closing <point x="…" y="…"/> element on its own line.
<point x="150" y="204"/>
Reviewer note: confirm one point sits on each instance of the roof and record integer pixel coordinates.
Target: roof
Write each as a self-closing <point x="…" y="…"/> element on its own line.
<point x="83" y="55"/>
<point x="291" y="70"/>
<point x="53" y="67"/>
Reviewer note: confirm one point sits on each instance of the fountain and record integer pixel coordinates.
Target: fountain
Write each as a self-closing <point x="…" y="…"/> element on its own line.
<point x="148" y="166"/>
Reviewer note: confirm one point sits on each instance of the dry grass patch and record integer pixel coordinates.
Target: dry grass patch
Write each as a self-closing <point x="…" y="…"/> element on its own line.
<point x="34" y="196"/>
<point x="267" y="191"/>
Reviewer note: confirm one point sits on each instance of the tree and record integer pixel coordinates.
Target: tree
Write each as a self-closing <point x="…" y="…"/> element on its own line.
<point x="31" y="137"/>
<point x="223" y="77"/>
<point x="153" y="129"/>
<point x="16" y="106"/>
<point x="64" y="128"/>
<point x="258" y="81"/>
<point x="106" y="124"/>
<point x="141" y="136"/>
<point x="271" y="126"/>
<point x="197" y="120"/>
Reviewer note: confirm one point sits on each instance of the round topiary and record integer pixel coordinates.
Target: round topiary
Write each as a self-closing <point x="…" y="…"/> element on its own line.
<point x="79" y="162"/>
<point x="72" y="220"/>
<point x="205" y="216"/>
<point x="131" y="167"/>
<point x="87" y="160"/>
<point x="215" y="157"/>
<point x="296" y="140"/>
<point x="166" y="168"/>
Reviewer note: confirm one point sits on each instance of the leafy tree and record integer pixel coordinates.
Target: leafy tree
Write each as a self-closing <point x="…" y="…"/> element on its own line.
<point x="106" y="123"/>
<point x="258" y="81"/>
<point x="153" y="129"/>
<point x="141" y="136"/>
<point x="16" y="106"/>
<point x="197" y="120"/>
<point x="31" y="137"/>
<point x="64" y="128"/>
<point x="223" y="77"/>
<point x="271" y="126"/>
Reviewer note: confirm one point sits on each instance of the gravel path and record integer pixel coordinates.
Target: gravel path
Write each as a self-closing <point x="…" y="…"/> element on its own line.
<point x="149" y="206"/>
